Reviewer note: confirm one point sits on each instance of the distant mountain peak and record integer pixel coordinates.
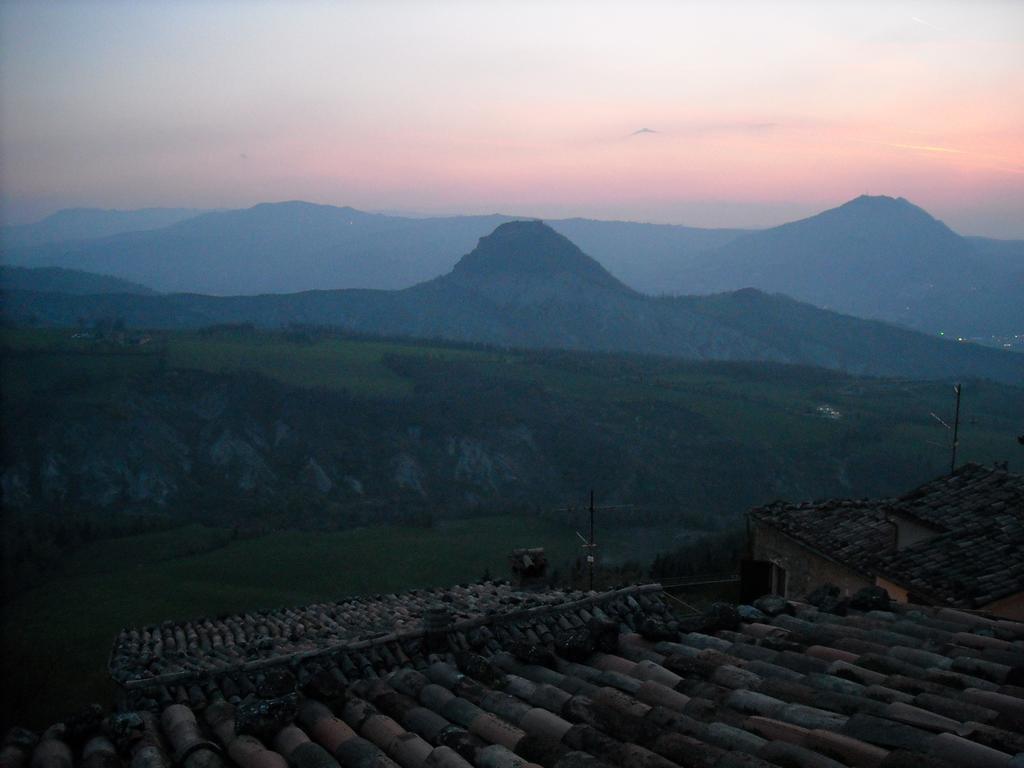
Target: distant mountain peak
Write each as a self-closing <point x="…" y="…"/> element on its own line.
<point x="299" y="204"/>
<point x="530" y="248"/>
<point x="883" y="210"/>
<point x="878" y="200"/>
<point x="290" y="207"/>
<point x="889" y="222"/>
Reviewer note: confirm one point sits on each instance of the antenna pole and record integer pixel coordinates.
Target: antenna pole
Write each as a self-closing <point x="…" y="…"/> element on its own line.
<point x="589" y="542"/>
<point x="590" y="559"/>
<point x="956" y="429"/>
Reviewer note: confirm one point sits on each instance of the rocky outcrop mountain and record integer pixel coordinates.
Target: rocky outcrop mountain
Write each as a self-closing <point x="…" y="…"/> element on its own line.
<point x="524" y="285"/>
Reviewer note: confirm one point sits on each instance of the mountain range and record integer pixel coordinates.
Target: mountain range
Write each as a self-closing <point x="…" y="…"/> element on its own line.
<point x="525" y="285"/>
<point x="61" y="280"/>
<point x="873" y="257"/>
<point x="76" y="224"/>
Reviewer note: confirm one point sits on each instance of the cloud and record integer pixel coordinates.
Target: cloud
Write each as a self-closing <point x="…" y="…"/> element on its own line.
<point x="998" y="162"/>
<point x="929" y="148"/>
<point x="712" y="128"/>
<point x="924" y="23"/>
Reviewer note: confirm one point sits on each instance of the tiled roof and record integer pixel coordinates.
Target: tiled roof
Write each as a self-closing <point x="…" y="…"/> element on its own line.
<point x="850" y="531"/>
<point x="177" y="651"/>
<point x="976" y="557"/>
<point x="968" y="568"/>
<point x="616" y="682"/>
<point x="972" y="495"/>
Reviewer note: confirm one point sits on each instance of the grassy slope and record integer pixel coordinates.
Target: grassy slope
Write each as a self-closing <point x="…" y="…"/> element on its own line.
<point x="331" y="363"/>
<point x="59" y="634"/>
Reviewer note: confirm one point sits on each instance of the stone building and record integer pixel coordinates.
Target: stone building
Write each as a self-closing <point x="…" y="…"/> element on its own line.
<point x="956" y="541"/>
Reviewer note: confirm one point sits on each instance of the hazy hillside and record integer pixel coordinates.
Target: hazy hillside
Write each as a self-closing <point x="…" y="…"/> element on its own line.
<point x="652" y="258"/>
<point x="1007" y="256"/>
<point x="295" y="246"/>
<point x="874" y="257"/>
<point x="527" y="286"/>
<point x="60" y="280"/>
<point x="877" y="257"/>
<point x="274" y="248"/>
<point x="88" y="223"/>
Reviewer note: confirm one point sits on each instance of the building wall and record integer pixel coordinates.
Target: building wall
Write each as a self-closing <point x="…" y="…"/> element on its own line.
<point x="896" y="592"/>
<point x="805" y="569"/>
<point x="1011" y="607"/>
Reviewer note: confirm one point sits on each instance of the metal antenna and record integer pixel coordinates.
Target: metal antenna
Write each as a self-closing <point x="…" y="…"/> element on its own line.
<point x="590" y="557"/>
<point x="956" y="428"/>
<point x="589" y="544"/>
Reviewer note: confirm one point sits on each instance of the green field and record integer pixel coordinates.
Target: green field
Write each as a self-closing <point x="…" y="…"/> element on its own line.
<point x="56" y="637"/>
<point x="334" y="363"/>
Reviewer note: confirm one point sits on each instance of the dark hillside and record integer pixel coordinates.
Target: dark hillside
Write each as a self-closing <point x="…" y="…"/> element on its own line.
<point x="314" y="430"/>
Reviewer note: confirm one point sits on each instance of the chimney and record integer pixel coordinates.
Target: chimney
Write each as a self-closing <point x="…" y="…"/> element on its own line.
<point x="529" y="568"/>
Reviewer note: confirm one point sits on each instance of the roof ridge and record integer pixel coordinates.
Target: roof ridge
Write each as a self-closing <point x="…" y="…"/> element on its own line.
<point x="358" y="643"/>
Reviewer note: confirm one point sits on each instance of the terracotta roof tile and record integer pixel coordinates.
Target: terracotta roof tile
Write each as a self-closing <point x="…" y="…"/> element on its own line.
<point x="920" y="691"/>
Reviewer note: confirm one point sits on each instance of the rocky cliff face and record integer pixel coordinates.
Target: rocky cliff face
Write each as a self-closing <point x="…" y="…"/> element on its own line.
<point x="219" y="445"/>
<point x="187" y="438"/>
<point x="465" y="439"/>
<point x="235" y="448"/>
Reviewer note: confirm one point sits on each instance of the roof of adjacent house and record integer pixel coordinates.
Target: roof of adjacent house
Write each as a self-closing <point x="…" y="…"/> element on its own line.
<point x="615" y="679"/>
<point x="975" y="558"/>
<point x="849" y="531"/>
<point x="971" y="495"/>
<point x="970" y="568"/>
<point x="188" y="649"/>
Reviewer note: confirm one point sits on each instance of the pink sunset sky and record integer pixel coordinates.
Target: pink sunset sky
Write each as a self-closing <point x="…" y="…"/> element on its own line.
<point x="759" y="112"/>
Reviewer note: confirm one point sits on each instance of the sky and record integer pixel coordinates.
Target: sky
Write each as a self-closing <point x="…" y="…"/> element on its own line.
<point x="706" y="114"/>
